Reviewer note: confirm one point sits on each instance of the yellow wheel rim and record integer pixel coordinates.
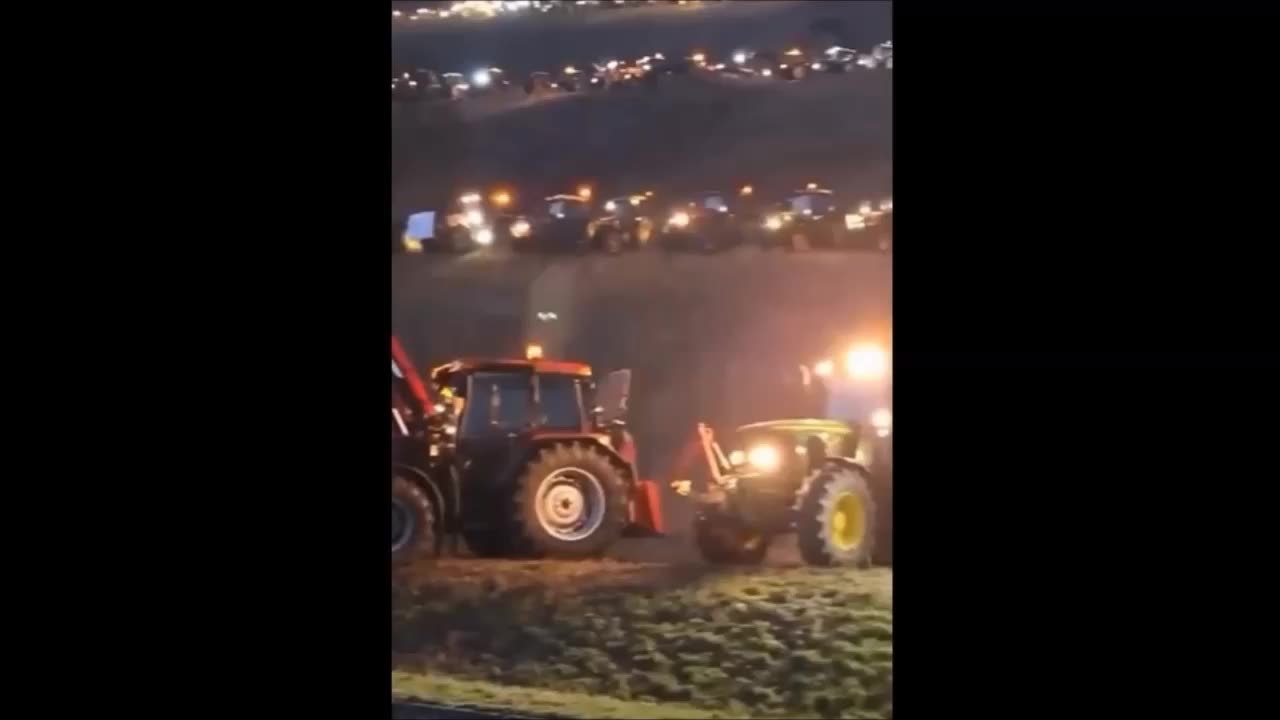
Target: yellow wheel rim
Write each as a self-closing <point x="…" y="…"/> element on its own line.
<point x="848" y="522"/>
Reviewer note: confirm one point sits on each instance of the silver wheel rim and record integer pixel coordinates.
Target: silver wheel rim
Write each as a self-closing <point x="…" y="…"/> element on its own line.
<point x="402" y="524"/>
<point x="570" y="504"/>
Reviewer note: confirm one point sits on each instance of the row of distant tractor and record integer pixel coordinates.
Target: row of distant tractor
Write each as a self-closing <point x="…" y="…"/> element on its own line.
<point x="791" y="64"/>
<point x="709" y="221"/>
<point x="529" y="458"/>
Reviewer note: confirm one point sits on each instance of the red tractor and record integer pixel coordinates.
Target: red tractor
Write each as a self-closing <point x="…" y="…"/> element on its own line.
<point x="519" y="457"/>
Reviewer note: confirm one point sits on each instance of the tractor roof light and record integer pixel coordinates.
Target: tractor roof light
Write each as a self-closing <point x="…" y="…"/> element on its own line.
<point x="584" y="192"/>
<point x="533" y="351"/>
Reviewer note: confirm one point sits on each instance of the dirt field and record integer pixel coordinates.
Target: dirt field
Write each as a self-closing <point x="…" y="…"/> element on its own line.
<point x="702" y="642"/>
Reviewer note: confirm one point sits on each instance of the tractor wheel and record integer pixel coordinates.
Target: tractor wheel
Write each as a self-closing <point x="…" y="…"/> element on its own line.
<point x="570" y="502"/>
<point x="723" y="540"/>
<point x="836" y="524"/>
<point x="413" y="521"/>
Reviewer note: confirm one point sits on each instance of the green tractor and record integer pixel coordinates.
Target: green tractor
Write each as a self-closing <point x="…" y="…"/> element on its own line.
<point x="828" y="481"/>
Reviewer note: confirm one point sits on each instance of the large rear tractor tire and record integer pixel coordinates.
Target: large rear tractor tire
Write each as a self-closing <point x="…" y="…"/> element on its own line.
<point x="413" y="521"/>
<point x="836" y="523"/>
<point x="570" y="503"/>
<point x="723" y="540"/>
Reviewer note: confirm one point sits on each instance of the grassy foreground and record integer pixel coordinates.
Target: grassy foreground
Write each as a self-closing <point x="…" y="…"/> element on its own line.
<point x="614" y="639"/>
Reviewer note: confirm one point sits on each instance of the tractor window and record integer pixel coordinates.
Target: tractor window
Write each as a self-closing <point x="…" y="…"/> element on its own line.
<point x="561" y="402"/>
<point x="497" y="402"/>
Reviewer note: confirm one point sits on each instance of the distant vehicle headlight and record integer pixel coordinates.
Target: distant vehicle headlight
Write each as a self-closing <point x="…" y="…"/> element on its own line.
<point x="483" y="236"/>
<point x="866" y="362"/>
<point x="773" y="222"/>
<point x="739" y="58"/>
<point x="611" y="206"/>
<point x="520" y="228"/>
<point x="764" y="457"/>
<point x="679" y="219"/>
<point x="766" y="72"/>
<point x="854" y="221"/>
<point x="474" y="217"/>
<point x="481" y="78"/>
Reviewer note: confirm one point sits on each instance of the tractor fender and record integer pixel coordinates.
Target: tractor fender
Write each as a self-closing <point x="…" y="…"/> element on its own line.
<point x="541" y="442"/>
<point x="424" y="480"/>
<point x="830" y="462"/>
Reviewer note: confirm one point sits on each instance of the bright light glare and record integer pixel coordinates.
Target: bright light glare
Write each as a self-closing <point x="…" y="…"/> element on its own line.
<point x="793" y="51"/>
<point x="413" y="83"/>
<point x="854" y="221"/>
<point x="764" y="457"/>
<point x="746" y="190"/>
<point x="699" y="57"/>
<point x="584" y="192"/>
<point x="824" y="368"/>
<point x="882" y="419"/>
<point x="474" y="217"/>
<point x="611" y="206"/>
<point x="773" y="222"/>
<point x="680" y="219"/>
<point x="766" y="72"/>
<point x="737" y="457"/>
<point x="612" y="64"/>
<point x="886" y="204"/>
<point x="533" y="352"/>
<point x="866" y="362"/>
<point x="396" y="13"/>
<point x="469" y="198"/>
<point x="501" y="198"/>
<point x="865" y="208"/>
<point x="739" y="58"/>
<point x="481" y="78"/>
<point x="816" y="66"/>
<point x="520" y="228"/>
<point x="484" y="236"/>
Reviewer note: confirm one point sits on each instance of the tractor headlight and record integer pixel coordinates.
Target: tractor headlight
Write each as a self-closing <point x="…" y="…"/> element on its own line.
<point x="854" y="221"/>
<point x="520" y="228"/>
<point x="611" y="206"/>
<point x="739" y="58"/>
<point x="773" y="222"/>
<point x="866" y="362"/>
<point x="766" y="72"/>
<point x="483" y="236"/>
<point x="474" y="217"/>
<point x="679" y="219"/>
<point x="764" y="458"/>
<point x="481" y="78"/>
